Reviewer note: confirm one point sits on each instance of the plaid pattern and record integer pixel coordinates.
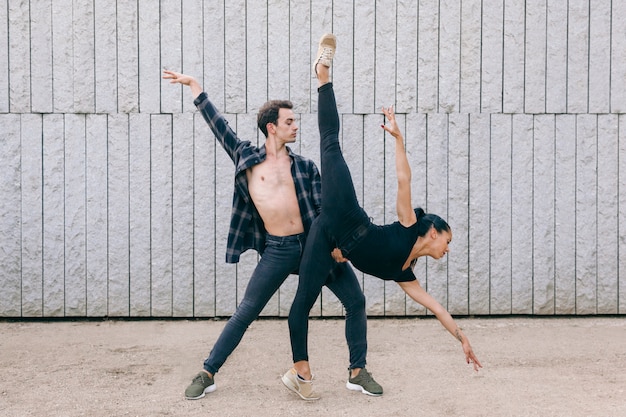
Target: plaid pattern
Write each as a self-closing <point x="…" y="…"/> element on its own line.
<point x="246" y="227"/>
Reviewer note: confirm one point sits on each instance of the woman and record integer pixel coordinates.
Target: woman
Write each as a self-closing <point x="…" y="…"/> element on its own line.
<point x="388" y="252"/>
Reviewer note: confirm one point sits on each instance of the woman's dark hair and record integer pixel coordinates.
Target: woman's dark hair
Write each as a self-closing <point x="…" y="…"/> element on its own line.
<point x="268" y="113"/>
<point x="426" y="221"/>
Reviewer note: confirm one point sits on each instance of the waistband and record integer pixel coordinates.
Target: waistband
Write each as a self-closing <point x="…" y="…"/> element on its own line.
<point x="354" y="238"/>
<point x="286" y="239"/>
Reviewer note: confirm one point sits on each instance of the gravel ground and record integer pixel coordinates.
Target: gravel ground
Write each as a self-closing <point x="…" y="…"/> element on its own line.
<point x="532" y="367"/>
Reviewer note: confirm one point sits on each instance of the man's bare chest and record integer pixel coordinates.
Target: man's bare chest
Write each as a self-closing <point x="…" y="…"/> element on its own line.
<point x="270" y="176"/>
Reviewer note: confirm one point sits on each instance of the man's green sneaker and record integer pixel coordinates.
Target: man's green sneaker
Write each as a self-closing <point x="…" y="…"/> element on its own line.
<point x="201" y="384"/>
<point x="365" y="383"/>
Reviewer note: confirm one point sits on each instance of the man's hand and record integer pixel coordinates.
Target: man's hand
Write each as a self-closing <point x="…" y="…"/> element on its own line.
<point x="338" y="256"/>
<point x="178" y="78"/>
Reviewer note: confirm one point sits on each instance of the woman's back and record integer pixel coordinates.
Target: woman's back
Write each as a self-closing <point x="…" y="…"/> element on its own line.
<point x="384" y="251"/>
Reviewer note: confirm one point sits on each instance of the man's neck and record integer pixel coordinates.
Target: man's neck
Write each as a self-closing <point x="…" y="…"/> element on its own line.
<point x="275" y="148"/>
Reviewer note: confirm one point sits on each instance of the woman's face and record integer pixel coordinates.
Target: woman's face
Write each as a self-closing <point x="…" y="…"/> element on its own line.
<point x="439" y="245"/>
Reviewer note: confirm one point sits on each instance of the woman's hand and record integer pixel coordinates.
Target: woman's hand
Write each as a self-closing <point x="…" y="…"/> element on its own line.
<point x="469" y="355"/>
<point x="391" y="126"/>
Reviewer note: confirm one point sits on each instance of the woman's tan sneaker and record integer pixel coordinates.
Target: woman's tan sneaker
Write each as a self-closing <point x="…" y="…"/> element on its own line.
<point x="325" y="51"/>
<point x="303" y="388"/>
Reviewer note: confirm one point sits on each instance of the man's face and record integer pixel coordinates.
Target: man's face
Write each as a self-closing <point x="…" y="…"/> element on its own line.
<point x="286" y="126"/>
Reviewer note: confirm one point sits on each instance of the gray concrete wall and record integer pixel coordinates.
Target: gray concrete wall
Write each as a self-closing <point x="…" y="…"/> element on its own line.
<point x="114" y="199"/>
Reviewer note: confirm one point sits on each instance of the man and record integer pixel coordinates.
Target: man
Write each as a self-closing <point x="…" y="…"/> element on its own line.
<point x="276" y="198"/>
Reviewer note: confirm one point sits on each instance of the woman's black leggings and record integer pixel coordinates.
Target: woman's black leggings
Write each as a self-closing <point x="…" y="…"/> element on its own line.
<point x="341" y="223"/>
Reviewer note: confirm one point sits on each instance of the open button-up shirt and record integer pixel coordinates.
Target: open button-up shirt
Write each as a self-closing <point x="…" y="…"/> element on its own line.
<point x="246" y="226"/>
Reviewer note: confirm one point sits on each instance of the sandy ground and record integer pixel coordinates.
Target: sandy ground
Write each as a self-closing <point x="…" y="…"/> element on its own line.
<point x="532" y="367"/>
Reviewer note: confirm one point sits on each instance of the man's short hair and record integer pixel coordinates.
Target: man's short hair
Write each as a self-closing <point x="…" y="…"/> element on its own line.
<point x="268" y="113"/>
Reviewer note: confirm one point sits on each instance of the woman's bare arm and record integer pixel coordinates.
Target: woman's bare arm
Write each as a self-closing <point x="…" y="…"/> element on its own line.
<point x="414" y="290"/>
<point x="404" y="208"/>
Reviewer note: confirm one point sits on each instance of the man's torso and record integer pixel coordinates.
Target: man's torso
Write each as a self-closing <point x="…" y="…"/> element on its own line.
<point x="273" y="192"/>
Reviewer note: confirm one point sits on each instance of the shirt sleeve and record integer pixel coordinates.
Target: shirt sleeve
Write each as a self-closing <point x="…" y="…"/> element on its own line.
<point x="219" y="126"/>
<point x="406" y="276"/>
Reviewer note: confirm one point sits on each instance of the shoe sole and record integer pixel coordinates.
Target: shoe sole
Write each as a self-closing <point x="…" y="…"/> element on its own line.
<point x="355" y="387"/>
<point x="207" y="390"/>
<point x="289" y="384"/>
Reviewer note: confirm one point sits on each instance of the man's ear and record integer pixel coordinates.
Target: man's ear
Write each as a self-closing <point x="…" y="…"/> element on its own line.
<point x="271" y="128"/>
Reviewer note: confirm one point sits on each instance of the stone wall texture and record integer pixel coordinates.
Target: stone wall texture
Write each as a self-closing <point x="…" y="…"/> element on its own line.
<point x="115" y="200"/>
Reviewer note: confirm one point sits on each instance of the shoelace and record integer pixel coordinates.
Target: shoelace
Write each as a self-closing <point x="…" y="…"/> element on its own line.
<point x="326" y="54"/>
<point x="199" y="378"/>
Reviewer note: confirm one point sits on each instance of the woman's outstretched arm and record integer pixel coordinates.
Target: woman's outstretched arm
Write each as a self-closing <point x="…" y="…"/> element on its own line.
<point x="414" y="290"/>
<point x="404" y="208"/>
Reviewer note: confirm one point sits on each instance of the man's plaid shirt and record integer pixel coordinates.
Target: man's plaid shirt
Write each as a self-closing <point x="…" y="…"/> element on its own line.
<point x="246" y="227"/>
